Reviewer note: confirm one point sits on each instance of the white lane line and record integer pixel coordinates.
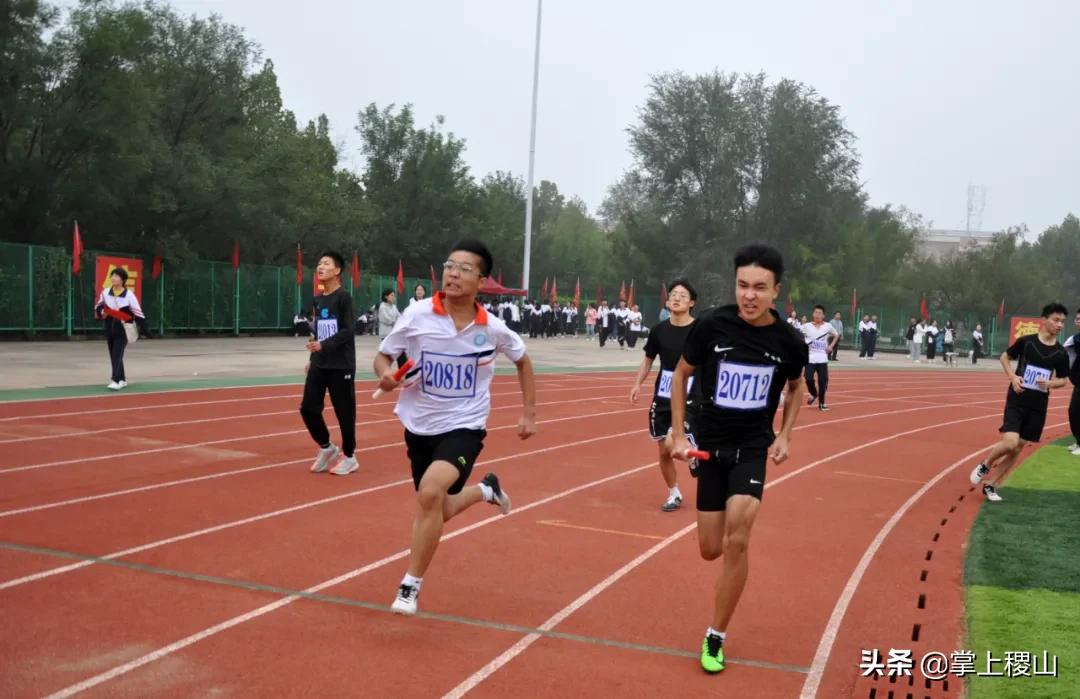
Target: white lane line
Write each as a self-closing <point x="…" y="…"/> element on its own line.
<point x="523" y="644"/>
<point x="266" y="609"/>
<point x="230" y="440"/>
<point x="541" y="380"/>
<point x="276" y="513"/>
<point x="218" y="418"/>
<point x="832" y="628"/>
<point x="195" y="479"/>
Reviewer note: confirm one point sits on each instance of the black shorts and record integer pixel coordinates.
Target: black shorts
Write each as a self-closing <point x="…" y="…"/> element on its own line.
<point x="1025" y="420"/>
<point x="458" y="447"/>
<point x="660" y="419"/>
<point x="730" y="472"/>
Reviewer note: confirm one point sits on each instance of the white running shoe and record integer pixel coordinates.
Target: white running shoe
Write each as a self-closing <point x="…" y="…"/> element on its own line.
<point x="323" y="458"/>
<point x="345" y="466"/>
<point x="979" y="473"/>
<point x="1075" y="449"/>
<point x="114" y="386"/>
<point x="123" y="384"/>
<point x="405" y="602"/>
<point x="991" y="493"/>
<point x="499" y="496"/>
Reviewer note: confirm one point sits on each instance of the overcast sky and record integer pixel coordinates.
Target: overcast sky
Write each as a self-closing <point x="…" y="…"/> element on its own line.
<point x="939" y="94"/>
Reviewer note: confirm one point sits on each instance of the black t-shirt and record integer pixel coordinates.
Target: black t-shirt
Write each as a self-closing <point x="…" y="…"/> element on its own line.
<point x="1036" y="361"/>
<point x="335" y="327"/>
<point x="742" y="370"/>
<point x="667" y="342"/>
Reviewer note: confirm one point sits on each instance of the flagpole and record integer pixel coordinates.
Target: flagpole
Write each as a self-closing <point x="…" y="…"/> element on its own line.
<point x="161" y="296"/>
<point x="532" y="153"/>
<point x="70" y="300"/>
<point x="236" y="319"/>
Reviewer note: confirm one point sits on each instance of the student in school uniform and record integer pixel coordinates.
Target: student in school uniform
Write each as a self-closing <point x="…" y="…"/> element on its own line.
<point x="124" y="318"/>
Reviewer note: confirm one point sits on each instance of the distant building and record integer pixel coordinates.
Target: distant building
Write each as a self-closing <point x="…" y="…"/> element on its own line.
<point x="940" y="242"/>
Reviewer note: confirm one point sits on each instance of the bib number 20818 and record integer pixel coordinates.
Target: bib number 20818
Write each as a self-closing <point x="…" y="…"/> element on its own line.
<point x="743" y="386"/>
<point x="448" y="375"/>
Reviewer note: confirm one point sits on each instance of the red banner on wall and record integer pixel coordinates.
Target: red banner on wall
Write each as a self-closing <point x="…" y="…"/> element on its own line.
<point x="1020" y="326"/>
<point x="104" y="266"/>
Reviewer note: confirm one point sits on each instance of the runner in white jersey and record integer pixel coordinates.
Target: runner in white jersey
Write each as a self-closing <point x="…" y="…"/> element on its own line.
<point x="821" y="338"/>
<point x="445" y="401"/>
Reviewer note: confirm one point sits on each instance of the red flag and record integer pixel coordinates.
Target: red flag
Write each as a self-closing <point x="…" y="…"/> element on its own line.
<point x="434" y="284"/>
<point x="854" y="305"/>
<point x="1001" y="313"/>
<point x="155" y="268"/>
<point x="630" y="300"/>
<point x="577" y="292"/>
<point x="622" y="291"/>
<point x="400" y="278"/>
<point x="663" y="294"/>
<point x="355" y="270"/>
<point x="76" y="250"/>
<point x="236" y="254"/>
<point x="544" y="289"/>
<point x="299" y="266"/>
<point x="554" y="293"/>
<point x="924" y="310"/>
<point x="789" y="308"/>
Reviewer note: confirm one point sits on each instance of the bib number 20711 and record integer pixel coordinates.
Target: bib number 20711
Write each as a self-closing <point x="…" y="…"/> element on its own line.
<point x="743" y="386"/>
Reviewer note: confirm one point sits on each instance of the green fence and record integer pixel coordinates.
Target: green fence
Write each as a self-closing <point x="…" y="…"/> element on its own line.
<point x="42" y="296"/>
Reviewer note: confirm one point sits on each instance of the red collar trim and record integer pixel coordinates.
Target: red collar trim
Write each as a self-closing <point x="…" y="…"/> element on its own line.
<point x="437" y="306"/>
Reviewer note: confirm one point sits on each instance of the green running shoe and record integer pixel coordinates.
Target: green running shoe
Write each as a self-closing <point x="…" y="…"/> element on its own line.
<point x="712" y="654"/>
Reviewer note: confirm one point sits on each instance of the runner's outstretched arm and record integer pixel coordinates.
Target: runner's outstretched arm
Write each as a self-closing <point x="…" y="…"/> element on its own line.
<point x="527" y="381"/>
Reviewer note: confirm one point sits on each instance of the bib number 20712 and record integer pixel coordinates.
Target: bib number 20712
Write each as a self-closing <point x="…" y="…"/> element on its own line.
<point x="743" y="386"/>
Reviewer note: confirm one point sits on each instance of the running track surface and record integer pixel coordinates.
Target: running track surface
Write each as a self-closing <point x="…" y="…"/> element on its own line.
<point x="174" y="544"/>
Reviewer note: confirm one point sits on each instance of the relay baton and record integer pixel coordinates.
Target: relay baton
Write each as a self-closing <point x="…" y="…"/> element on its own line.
<point x="697" y="454"/>
<point x="398" y="376"/>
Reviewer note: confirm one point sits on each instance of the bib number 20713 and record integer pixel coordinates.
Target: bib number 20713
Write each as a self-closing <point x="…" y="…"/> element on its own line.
<point x="743" y="386"/>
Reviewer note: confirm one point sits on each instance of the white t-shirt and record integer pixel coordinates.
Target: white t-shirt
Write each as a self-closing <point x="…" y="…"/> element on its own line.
<point x="920" y="331"/>
<point x="948" y="336"/>
<point x="635" y="321"/>
<point x="449" y="388"/>
<point x="818" y="338"/>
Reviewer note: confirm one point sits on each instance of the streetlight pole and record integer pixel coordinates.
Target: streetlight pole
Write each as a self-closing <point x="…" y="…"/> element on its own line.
<point x="532" y="155"/>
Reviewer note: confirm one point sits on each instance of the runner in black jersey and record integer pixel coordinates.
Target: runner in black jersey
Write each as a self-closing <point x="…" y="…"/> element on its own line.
<point x="331" y="368"/>
<point x="1041" y="365"/>
<point x="666" y="339"/>
<point x="745" y="356"/>
<point x="1072" y="346"/>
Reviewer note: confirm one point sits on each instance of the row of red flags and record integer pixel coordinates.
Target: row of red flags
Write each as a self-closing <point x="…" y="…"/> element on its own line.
<point x="77" y="250"/>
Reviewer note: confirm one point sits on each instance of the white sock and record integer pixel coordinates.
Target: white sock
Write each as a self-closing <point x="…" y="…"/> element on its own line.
<point x="674" y="492"/>
<point x="713" y="632"/>
<point x="412" y="581"/>
<point x="487" y="491"/>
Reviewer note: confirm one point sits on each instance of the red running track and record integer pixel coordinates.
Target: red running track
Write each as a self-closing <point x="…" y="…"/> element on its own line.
<point x="191" y="552"/>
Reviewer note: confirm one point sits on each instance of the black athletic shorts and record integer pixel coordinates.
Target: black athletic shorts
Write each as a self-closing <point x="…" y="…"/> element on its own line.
<point x="730" y="472"/>
<point x="458" y="447"/>
<point x="660" y="419"/>
<point x="1025" y="420"/>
